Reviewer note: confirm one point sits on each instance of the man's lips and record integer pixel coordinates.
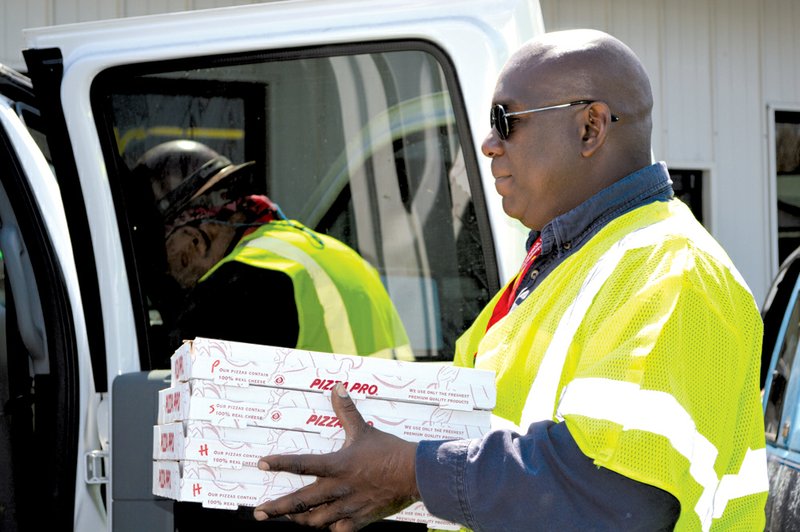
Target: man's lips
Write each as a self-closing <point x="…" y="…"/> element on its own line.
<point x="498" y="179"/>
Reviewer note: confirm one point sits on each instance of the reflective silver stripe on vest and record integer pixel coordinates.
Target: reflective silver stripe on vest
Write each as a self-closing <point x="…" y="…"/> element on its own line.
<point x="541" y="400"/>
<point x="337" y="322"/>
<point x="626" y="404"/>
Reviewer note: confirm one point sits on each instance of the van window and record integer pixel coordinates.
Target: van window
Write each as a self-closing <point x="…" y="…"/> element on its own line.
<point x="363" y="143"/>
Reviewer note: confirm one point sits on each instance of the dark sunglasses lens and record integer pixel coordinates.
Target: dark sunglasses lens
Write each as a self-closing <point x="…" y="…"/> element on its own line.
<point x="499" y="121"/>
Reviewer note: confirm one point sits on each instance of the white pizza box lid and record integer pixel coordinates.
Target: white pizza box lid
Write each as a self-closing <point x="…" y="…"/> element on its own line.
<point x="245" y="364"/>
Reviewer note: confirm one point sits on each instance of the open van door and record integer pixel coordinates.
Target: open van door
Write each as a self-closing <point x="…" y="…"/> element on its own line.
<point x="364" y="121"/>
<point x="45" y="401"/>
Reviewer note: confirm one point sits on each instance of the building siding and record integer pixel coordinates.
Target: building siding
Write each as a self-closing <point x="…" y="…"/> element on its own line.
<point x="715" y="66"/>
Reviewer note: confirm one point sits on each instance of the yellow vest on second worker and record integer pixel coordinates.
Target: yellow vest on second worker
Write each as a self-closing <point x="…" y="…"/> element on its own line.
<point x="342" y="305"/>
<point x="647" y="343"/>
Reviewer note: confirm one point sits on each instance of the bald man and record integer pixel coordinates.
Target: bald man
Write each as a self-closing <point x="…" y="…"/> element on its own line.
<point x="626" y="350"/>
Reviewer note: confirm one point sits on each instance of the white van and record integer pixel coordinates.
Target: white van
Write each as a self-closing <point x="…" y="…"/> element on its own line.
<point x="364" y="120"/>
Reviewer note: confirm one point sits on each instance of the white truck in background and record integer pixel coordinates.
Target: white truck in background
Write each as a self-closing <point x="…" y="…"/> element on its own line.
<point x="365" y="121"/>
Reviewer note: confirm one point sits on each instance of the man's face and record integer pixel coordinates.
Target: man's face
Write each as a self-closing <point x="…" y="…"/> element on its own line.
<point x="532" y="167"/>
<point x="193" y="249"/>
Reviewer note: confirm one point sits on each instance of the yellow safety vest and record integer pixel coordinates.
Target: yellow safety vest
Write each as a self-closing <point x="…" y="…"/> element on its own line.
<point x="646" y="342"/>
<point x="342" y="305"/>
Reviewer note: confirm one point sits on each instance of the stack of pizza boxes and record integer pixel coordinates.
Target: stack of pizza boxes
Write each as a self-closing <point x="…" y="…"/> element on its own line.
<point x="231" y="403"/>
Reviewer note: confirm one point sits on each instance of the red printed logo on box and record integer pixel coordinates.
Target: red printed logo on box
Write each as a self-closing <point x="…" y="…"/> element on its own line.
<point x="167" y="442"/>
<point x="356" y="387"/>
<point x="164" y="478"/>
<point x="173" y="402"/>
<point x="364" y="387"/>
<point x="179" y="367"/>
<point x="327" y="421"/>
<point x="323" y="421"/>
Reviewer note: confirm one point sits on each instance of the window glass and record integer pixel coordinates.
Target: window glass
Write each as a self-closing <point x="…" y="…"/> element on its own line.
<point x="787" y="160"/>
<point x="688" y="187"/>
<point x="358" y="144"/>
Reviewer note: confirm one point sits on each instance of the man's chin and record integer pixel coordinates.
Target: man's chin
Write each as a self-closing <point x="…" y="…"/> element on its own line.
<point x="503" y="185"/>
<point x="510" y="211"/>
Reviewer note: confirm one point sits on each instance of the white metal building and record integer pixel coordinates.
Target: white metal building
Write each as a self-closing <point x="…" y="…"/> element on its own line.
<point x="726" y="81"/>
<point x="721" y="70"/>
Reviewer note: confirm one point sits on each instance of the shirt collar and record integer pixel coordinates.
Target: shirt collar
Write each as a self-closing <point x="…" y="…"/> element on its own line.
<point x="651" y="183"/>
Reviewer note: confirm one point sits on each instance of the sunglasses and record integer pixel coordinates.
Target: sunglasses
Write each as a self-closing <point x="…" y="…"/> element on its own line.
<point x="498" y="116"/>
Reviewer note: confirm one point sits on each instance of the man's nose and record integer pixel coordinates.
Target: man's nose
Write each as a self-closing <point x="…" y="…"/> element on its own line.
<point x="492" y="146"/>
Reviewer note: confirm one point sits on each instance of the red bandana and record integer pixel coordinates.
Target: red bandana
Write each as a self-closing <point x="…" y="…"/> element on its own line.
<point x="506" y="300"/>
<point x="258" y="209"/>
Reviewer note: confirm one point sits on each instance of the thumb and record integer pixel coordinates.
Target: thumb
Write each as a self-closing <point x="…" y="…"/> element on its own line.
<point x="348" y="414"/>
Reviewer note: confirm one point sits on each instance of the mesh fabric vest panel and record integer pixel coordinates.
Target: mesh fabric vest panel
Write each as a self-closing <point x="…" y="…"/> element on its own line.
<point x="646" y="342"/>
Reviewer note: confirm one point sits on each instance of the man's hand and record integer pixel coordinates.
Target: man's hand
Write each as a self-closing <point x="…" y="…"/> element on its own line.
<point x="370" y="478"/>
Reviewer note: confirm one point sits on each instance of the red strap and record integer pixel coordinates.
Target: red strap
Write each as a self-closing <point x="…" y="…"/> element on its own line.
<point x="509" y="295"/>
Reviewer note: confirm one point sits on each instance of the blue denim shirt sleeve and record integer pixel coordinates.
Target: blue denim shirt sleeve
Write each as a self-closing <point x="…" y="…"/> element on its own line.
<point x="537" y="481"/>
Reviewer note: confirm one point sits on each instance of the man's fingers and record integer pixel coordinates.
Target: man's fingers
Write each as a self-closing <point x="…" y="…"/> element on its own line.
<point x="348" y="414"/>
<point x="318" y="465"/>
<point x="327" y="516"/>
<point x="306" y="506"/>
<point x="328" y="502"/>
<point x="298" y="502"/>
<point x="345" y="525"/>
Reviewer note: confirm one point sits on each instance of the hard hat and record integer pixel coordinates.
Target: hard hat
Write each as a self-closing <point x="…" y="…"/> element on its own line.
<point x="183" y="171"/>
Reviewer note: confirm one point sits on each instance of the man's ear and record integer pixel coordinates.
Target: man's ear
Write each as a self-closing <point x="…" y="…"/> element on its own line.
<point x="238" y="217"/>
<point x="596" y="119"/>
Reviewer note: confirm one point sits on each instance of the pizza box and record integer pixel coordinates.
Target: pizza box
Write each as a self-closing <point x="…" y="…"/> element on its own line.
<point x="178" y="403"/>
<point x="170" y="480"/>
<point x="271" y="398"/>
<point x="171" y="442"/>
<point x="245" y="364"/>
